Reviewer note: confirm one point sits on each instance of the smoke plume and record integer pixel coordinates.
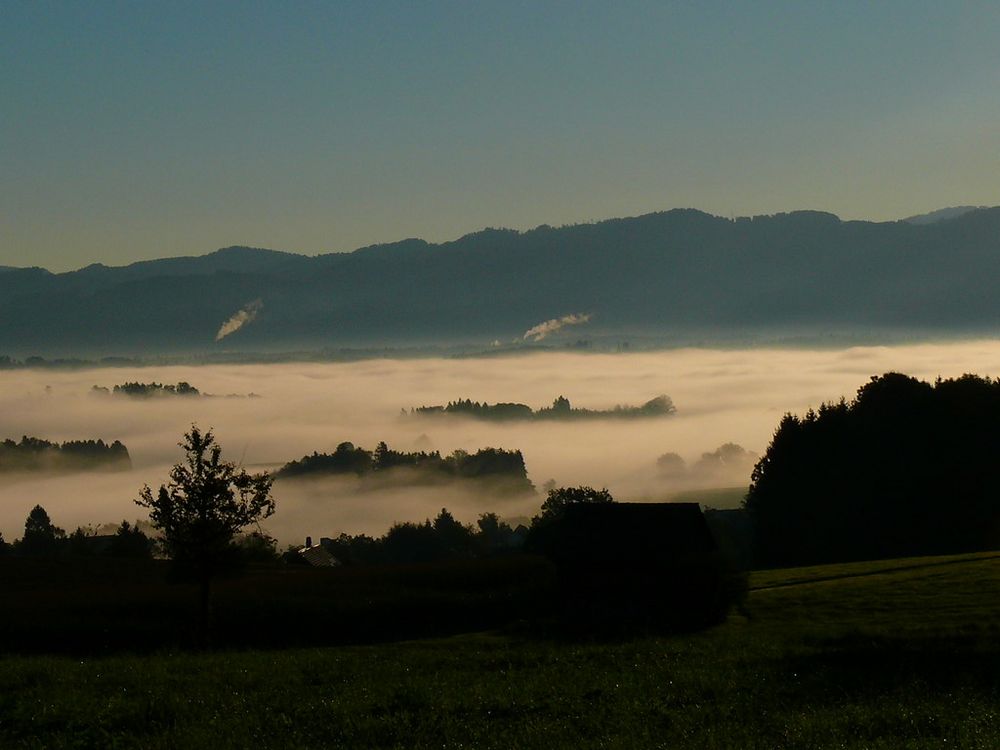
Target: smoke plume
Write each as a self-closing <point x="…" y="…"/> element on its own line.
<point x="539" y="332"/>
<point x="240" y="319"/>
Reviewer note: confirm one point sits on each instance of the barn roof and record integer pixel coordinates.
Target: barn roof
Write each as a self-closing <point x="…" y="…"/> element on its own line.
<point x="318" y="557"/>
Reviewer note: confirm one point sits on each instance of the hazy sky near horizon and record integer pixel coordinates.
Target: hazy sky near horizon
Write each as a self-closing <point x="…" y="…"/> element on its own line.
<point x="132" y="131"/>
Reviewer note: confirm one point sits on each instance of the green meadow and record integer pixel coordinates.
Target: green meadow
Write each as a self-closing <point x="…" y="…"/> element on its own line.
<point x="887" y="654"/>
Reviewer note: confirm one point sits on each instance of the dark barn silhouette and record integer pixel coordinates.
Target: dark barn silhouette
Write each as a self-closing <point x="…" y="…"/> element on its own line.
<point x="635" y="566"/>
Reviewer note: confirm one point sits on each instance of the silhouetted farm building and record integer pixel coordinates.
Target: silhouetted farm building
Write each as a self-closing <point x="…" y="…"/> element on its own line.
<point x="317" y="555"/>
<point x="627" y="565"/>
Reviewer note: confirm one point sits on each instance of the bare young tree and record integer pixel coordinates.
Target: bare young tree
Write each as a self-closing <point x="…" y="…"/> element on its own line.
<point x="206" y="503"/>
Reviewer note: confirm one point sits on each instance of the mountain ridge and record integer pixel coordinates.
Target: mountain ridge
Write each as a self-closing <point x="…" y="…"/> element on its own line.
<point x="681" y="272"/>
<point x="942" y="214"/>
<point x="244" y="251"/>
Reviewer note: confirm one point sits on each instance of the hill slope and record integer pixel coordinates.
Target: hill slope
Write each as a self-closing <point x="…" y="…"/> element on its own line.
<point x="681" y="272"/>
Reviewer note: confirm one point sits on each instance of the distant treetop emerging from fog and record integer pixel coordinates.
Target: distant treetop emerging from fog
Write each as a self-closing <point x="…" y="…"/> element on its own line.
<point x="560" y="409"/>
<point x="33" y="454"/>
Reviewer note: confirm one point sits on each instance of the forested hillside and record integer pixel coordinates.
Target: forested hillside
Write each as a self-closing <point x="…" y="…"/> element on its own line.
<point x="681" y="273"/>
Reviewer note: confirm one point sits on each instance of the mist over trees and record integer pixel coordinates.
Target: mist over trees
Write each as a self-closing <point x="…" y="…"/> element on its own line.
<point x="728" y="463"/>
<point x="905" y="468"/>
<point x="561" y="409"/>
<point x="150" y="390"/>
<point x="32" y="454"/>
<point x="154" y="390"/>
<point x="445" y="538"/>
<point x="43" y="539"/>
<point x="433" y="540"/>
<point x="493" y="468"/>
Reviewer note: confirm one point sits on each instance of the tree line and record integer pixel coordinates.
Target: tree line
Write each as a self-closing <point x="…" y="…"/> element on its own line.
<point x="202" y="513"/>
<point x="43" y="539"/>
<point x="503" y="469"/>
<point x="904" y="468"/>
<point x="36" y="454"/>
<point x="560" y="409"/>
<point x="148" y="390"/>
<point x="433" y="540"/>
<point x="445" y="538"/>
<point x="64" y="363"/>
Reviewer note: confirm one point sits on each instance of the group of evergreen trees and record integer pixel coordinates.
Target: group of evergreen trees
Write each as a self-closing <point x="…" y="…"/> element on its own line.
<point x="35" y="454"/>
<point x="42" y="538"/>
<point x="503" y="468"/>
<point x="560" y="409"/>
<point x="906" y="468"/>
<point x="469" y="408"/>
<point x="149" y="390"/>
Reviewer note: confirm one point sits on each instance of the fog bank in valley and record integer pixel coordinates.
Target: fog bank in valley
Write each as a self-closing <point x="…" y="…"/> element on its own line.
<point x="721" y="397"/>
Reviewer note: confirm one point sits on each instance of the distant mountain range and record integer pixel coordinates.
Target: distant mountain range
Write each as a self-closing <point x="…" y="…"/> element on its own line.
<point x="941" y="214"/>
<point x="682" y="276"/>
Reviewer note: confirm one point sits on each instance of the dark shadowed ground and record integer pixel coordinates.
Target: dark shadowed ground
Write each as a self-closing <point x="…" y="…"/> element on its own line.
<point x="891" y="654"/>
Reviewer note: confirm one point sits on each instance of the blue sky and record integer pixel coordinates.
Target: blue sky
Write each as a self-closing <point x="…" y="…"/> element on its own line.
<point x="139" y="130"/>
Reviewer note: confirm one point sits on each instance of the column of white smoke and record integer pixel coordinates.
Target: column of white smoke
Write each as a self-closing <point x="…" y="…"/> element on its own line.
<point x="240" y="319"/>
<point x="539" y="332"/>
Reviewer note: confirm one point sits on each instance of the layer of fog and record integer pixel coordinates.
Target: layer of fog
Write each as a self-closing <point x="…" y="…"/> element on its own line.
<point x="721" y="397"/>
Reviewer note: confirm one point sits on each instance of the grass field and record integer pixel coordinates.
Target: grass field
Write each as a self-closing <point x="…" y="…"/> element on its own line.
<point x="888" y="654"/>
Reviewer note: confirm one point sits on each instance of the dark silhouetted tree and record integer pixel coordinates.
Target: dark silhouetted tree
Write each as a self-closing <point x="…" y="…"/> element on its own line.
<point x="906" y="468"/>
<point x="494" y="534"/>
<point x="355" y="550"/>
<point x="131" y="543"/>
<point x="77" y="543"/>
<point x="41" y="537"/>
<point x="258" y="547"/>
<point x="206" y="503"/>
<point x="559" y="498"/>
<point x="411" y="542"/>
<point x="455" y="539"/>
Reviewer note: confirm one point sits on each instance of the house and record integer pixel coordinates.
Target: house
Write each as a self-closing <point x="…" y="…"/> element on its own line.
<point x="317" y="555"/>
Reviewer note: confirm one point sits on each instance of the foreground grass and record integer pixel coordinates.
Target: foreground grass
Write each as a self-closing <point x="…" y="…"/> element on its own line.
<point x="892" y="656"/>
